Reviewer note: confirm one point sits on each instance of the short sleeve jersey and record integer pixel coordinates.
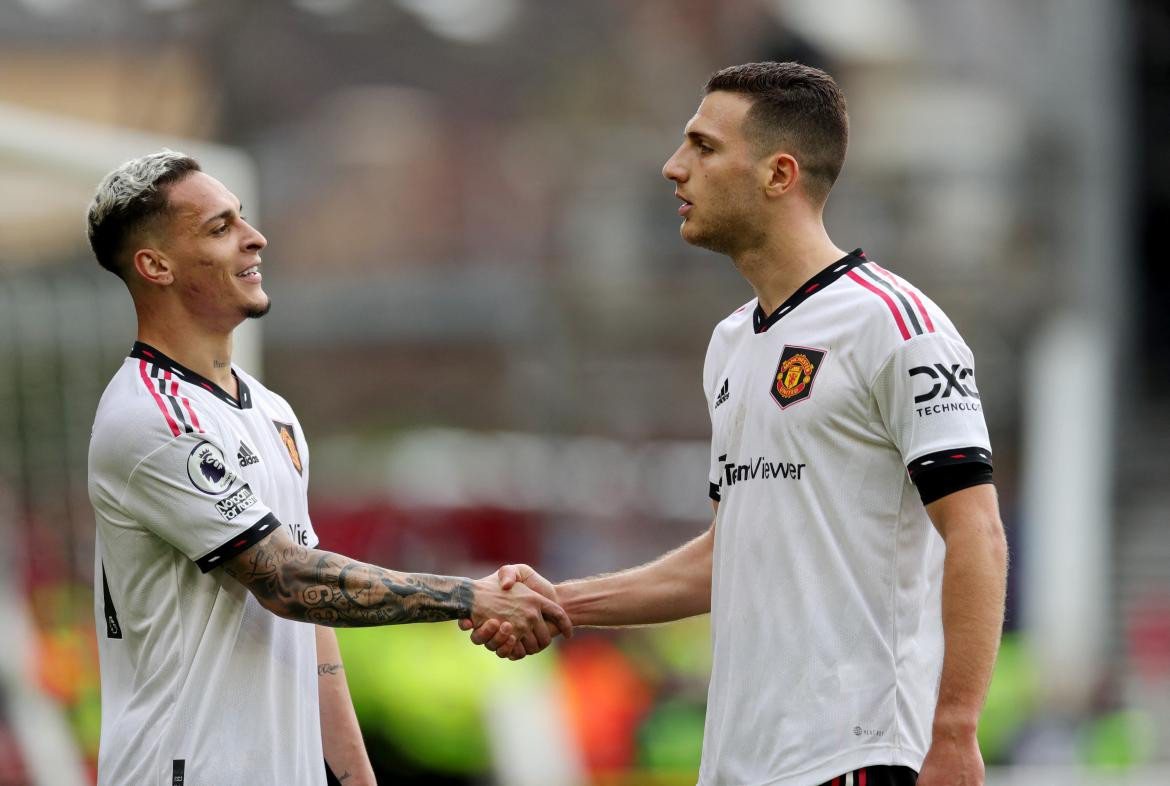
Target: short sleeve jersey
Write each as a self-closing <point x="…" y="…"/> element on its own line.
<point x="827" y="631"/>
<point x="200" y="684"/>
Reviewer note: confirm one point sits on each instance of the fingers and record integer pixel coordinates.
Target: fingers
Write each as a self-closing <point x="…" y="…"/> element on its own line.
<point x="524" y="620"/>
<point x="508" y="575"/>
<point x="559" y="618"/>
<point x="528" y="640"/>
<point x="486" y="632"/>
<point x="543" y="636"/>
<point x="513" y="650"/>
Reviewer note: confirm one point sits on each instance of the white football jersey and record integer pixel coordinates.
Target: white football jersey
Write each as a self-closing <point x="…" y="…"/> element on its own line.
<point x="201" y="685"/>
<point x="826" y="615"/>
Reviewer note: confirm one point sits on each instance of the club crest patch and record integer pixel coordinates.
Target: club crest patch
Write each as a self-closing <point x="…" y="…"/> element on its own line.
<point x="795" y="373"/>
<point x="289" y="437"/>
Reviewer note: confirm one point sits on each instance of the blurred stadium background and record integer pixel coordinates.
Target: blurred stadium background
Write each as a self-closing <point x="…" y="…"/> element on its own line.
<point x="493" y="335"/>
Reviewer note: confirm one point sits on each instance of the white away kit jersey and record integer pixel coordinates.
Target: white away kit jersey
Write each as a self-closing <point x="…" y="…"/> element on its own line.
<point x="200" y="684"/>
<point x="833" y="420"/>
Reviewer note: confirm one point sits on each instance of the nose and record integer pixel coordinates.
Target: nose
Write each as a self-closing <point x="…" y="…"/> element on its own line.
<point x="254" y="241"/>
<point x="673" y="168"/>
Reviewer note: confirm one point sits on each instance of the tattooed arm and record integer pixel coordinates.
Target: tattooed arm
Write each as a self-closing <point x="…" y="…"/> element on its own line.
<point x="329" y="589"/>
<point x="341" y="738"/>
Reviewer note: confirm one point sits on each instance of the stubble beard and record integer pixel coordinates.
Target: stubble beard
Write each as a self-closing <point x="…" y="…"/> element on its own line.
<point x="723" y="236"/>
<point x="255" y="312"/>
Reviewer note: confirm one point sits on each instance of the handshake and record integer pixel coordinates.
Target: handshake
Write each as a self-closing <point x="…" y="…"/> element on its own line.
<point x="515" y="612"/>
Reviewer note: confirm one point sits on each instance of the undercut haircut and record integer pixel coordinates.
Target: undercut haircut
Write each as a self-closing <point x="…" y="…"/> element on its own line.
<point x="795" y="107"/>
<point x="128" y="199"/>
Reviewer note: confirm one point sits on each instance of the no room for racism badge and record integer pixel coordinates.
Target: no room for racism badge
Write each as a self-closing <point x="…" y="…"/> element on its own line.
<point x="795" y="373"/>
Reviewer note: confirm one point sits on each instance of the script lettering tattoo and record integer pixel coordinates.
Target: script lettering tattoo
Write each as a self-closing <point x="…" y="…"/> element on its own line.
<point x="328" y="589"/>
<point x="328" y="669"/>
<point x="220" y="363"/>
<point x="344" y="777"/>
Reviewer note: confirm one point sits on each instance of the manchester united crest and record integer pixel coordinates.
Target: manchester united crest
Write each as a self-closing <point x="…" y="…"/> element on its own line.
<point x="795" y="374"/>
<point x="289" y="437"/>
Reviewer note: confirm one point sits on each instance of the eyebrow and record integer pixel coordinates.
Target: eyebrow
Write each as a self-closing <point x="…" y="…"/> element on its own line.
<point x="223" y="215"/>
<point x="699" y="136"/>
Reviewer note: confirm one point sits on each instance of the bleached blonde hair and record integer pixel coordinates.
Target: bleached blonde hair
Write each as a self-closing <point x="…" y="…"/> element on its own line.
<point x="129" y="197"/>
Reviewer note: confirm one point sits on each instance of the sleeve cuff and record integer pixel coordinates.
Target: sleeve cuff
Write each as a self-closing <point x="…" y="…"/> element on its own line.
<point x="239" y="543"/>
<point x="938" y="474"/>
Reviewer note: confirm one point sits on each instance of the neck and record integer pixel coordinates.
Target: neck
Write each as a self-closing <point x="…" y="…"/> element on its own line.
<point x="206" y="352"/>
<point x="786" y="259"/>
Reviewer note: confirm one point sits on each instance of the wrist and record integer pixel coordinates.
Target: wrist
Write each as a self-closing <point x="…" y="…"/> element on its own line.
<point x="477" y="590"/>
<point x="954" y="724"/>
<point x="569" y="597"/>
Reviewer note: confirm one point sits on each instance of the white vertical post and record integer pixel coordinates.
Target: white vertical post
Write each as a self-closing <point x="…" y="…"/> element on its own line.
<point x="1066" y="544"/>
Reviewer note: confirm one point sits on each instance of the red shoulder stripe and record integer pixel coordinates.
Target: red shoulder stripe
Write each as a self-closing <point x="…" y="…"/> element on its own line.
<point x="913" y="295"/>
<point x="158" y="399"/>
<point x="186" y="403"/>
<point x="889" y="303"/>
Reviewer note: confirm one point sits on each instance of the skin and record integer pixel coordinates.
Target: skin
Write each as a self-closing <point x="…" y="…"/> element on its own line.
<point x="312" y="585"/>
<point x="754" y="208"/>
<point x="341" y="738"/>
<point x="184" y="277"/>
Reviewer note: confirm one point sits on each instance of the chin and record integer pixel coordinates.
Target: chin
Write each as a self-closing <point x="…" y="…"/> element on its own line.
<point x="257" y="310"/>
<point x="699" y="240"/>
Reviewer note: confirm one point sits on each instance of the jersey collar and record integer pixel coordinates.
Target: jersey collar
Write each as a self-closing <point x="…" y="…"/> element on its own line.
<point x="152" y="355"/>
<point x="761" y="321"/>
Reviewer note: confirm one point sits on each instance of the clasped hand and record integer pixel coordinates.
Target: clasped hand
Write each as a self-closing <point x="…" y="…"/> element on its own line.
<point x="516" y="613"/>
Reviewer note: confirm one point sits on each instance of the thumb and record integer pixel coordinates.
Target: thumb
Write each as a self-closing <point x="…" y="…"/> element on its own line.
<point x="508" y="576"/>
<point x="466" y="624"/>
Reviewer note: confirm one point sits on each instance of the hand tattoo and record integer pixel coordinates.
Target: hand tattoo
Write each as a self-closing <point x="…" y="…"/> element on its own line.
<point x="328" y="589"/>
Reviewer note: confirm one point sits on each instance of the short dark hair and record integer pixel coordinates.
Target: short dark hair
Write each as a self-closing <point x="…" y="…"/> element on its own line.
<point x="130" y="197"/>
<point x="797" y="106"/>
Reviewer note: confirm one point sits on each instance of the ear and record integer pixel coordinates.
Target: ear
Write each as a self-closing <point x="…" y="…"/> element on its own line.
<point x="153" y="267"/>
<point x="783" y="174"/>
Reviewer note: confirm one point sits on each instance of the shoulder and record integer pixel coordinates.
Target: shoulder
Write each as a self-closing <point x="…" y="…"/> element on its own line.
<point x="140" y="412"/>
<point x="734" y="323"/>
<point x="129" y="425"/>
<point x="890" y="311"/>
<point x="728" y="331"/>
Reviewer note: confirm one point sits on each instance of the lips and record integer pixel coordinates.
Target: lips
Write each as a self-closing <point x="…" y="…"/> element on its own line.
<point x="250" y="274"/>
<point x="686" y="205"/>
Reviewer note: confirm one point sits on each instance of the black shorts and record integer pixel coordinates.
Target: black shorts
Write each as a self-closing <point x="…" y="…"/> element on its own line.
<point x="881" y="775"/>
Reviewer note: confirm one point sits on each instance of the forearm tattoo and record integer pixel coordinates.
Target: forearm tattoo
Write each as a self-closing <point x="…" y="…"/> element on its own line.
<point x="328" y="589"/>
<point x="329" y="669"/>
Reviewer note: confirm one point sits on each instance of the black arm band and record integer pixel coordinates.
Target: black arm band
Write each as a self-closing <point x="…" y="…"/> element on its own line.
<point x="947" y="471"/>
<point x="242" y="542"/>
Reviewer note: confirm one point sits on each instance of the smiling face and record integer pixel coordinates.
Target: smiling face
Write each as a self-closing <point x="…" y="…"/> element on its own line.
<point x="720" y="176"/>
<point x="212" y="253"/>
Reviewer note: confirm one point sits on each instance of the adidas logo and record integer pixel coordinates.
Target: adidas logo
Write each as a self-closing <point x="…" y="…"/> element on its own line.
<point x="246" y="457"/>
<point x="724" y="394"/>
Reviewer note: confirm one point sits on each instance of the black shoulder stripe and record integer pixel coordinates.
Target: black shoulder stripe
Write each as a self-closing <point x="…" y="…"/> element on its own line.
<point x="884" y="284"/>
<point x="239" y="543"/>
